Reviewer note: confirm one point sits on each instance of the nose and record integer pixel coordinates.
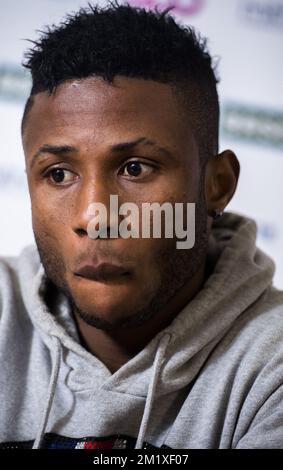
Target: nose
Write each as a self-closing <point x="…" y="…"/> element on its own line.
<point x="94" y="193"/>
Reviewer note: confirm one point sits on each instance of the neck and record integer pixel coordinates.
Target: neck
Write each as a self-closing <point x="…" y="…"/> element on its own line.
<point x="115" y="348"/>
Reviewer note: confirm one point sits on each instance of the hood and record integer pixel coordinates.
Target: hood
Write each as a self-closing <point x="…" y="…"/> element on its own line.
<point x="172" y="359"/>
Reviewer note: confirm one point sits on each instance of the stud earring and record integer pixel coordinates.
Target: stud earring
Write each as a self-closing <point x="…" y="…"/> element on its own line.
<point x="216" y="213"/>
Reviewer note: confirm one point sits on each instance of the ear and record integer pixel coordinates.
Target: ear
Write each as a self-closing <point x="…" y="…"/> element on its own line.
<point x="221" y="179"/>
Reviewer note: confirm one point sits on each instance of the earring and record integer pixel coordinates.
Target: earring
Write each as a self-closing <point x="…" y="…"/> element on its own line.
<point x="216" y="213"/>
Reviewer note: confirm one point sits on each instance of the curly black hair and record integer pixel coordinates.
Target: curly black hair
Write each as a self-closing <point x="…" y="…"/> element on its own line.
<point x="119" y="39"/>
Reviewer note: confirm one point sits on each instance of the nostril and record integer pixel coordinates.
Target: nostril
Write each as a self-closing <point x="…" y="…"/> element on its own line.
<point x="81" y="232"/>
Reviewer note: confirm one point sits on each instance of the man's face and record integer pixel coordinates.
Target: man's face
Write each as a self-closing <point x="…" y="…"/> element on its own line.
<point x="88" y="117"/>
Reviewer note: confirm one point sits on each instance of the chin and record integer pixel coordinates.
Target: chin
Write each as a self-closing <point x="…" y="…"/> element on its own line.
<point x="106" y="300"/>
<point x="106" y="317"/>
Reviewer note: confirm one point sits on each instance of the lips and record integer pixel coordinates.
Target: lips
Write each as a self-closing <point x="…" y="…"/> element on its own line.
<point x="102" y="272"/>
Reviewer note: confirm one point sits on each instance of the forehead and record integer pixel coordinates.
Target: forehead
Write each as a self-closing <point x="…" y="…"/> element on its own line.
<point x="95" y="109"/>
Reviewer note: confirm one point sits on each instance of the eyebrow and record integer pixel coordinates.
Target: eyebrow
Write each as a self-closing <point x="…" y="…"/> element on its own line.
<point x="54" y="149"/>
<point x="120" y="147"/>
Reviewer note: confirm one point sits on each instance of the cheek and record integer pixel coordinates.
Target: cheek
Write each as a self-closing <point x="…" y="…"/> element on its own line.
<point x="173" y="189"/>
<point x="48" y="228"/>
<point x="48" y="213"/>
<point x="150" y="256"/>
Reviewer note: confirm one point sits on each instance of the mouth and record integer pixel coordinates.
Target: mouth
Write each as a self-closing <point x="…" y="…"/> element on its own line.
<point x="103" y="272"/>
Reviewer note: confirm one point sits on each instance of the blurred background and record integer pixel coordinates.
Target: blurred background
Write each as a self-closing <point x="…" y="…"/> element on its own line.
<point x="244" y="36"/>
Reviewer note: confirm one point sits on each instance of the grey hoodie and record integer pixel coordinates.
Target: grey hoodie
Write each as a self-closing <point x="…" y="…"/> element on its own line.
<point x="213" y="378"/>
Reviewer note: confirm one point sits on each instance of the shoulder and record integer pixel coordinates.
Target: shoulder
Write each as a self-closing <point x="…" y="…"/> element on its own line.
<point x="28" y="255"/>
<point x="263" y="320"/>
<point x="253" y="346"/>
<point x="15" y="274"/>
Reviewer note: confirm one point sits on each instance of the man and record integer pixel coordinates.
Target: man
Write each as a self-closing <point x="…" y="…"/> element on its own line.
<point x="119" y="342"/>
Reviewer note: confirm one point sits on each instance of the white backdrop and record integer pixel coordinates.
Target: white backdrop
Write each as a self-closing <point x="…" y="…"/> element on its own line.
<point x="247" y="35"/>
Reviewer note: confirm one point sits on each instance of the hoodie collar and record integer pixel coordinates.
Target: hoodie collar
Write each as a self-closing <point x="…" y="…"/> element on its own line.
<point x="241" y="273"/>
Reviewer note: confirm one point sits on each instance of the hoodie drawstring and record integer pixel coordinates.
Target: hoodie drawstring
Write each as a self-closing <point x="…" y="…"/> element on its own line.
<point x="50" y="393"/>
<point x="151" y="388"/>
<point x="148" y="403"/>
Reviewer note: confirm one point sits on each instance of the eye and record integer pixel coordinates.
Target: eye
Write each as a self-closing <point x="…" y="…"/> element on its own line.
<point x="136" y="169"/>
<point x="60" y="175"/>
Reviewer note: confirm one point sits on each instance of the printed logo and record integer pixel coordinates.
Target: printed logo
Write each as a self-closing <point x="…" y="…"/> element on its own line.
<point x="252" y="124"/>
<point x="152" y="220"/>
<point x="15" y="83"/>
<point x="182" y="7"/>
<point x="262" y="12"/>
<point x="55" y="441"/>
